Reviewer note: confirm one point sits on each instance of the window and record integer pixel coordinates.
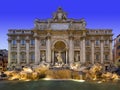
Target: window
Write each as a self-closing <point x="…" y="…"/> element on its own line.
<point x="14" y="42"/>
<point x="32" y="57"/>
<point x="76" y="43"/>
<point x="22" y="56"/>
<point x="106" y="42"/>
<point x="32" y="42"/>
<point x="13" y="56"/>
<point x="96" y="32"/>
<point x="97" y="42"/>
<point x="97" y="57"/>
<point x="23" y="42"/>
<point x="88" y="57"/>
<point x="106" y="57"/>
<point x="87" y="43"/>
<point x="105" y="32"/>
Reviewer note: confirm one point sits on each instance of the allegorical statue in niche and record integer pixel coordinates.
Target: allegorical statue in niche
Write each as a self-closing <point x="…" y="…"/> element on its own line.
<point x="59" y="58"/>
<point x="43" y="56"/>
<point x="77" y="57"/>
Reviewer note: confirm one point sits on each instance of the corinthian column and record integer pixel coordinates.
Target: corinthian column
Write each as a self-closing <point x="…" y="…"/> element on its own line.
<point x="101" y="51"/>
<point x="48" y="48"/>
<point x="111" y="55"/>
<point x="18" y="52"/>
<point x="36" y="50"/>
<point x="92" y="44"/>
<point x="27" y="51"/>
<point x="9" y="52"/>
<point x="71" y="49"/>
<point x="83" y="50"/>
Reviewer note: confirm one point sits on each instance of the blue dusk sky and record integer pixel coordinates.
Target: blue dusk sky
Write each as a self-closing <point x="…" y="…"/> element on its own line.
<point x="20" y="14"/>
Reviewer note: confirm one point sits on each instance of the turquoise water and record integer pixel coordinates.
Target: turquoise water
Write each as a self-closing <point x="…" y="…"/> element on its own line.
<point x="58" y="85"/>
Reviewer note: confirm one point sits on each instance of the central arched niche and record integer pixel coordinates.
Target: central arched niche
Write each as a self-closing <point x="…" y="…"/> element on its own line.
<point x="60" y="46"/>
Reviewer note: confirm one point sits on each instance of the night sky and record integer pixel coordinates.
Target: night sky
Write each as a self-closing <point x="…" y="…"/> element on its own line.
<point x="20" y="14"/>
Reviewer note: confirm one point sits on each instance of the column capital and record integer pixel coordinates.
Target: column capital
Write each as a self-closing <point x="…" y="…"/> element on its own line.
<point x="35" y="35"/>
<point x="71" y="37"/>
<point x="48" y="36"/>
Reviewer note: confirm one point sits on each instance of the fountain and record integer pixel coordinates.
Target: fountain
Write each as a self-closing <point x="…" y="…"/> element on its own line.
<point x="76" y="71"/>
<point x="78" y="75"/>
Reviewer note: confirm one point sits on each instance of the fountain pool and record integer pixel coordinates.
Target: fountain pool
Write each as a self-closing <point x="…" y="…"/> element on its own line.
<point x="58" y="85"/>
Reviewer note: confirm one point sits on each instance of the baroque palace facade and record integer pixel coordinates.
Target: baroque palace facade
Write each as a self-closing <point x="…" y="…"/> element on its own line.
<point x="116" y="49"/>
<point x="59" y="37"/>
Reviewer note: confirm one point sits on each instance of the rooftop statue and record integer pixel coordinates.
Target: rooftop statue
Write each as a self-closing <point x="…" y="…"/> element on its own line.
<point x="60" y="15"/>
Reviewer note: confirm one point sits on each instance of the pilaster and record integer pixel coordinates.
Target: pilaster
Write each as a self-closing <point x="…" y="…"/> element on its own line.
<point x="9" y="52"/>
<point x="18" y="52"/>
<point x="71" y="49"/>
<point x="102" y="51"/>
<point x="27" y="51"/>
<point x="92" y="46"/>
<point x="111" y="54"/>
<point x="48" y="48"/>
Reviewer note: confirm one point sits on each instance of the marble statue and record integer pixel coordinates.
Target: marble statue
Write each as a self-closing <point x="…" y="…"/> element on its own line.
<point x="59" y="57"/>
<point x="43" y="57"/>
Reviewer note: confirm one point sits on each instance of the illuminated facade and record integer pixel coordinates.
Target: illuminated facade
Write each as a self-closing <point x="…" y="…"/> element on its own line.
<point x="63" y="35"/>
<point x="116" y="50"/>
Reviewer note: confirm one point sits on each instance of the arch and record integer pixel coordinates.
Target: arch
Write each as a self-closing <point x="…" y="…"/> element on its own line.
<point x="55" y="41"/>
<point x="59" y="46"/>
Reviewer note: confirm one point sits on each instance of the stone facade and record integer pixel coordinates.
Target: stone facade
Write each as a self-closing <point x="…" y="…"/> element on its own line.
<point x="116" y="50"/>
<point x="68" y="37"/>
<point x="3" y="59"/>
